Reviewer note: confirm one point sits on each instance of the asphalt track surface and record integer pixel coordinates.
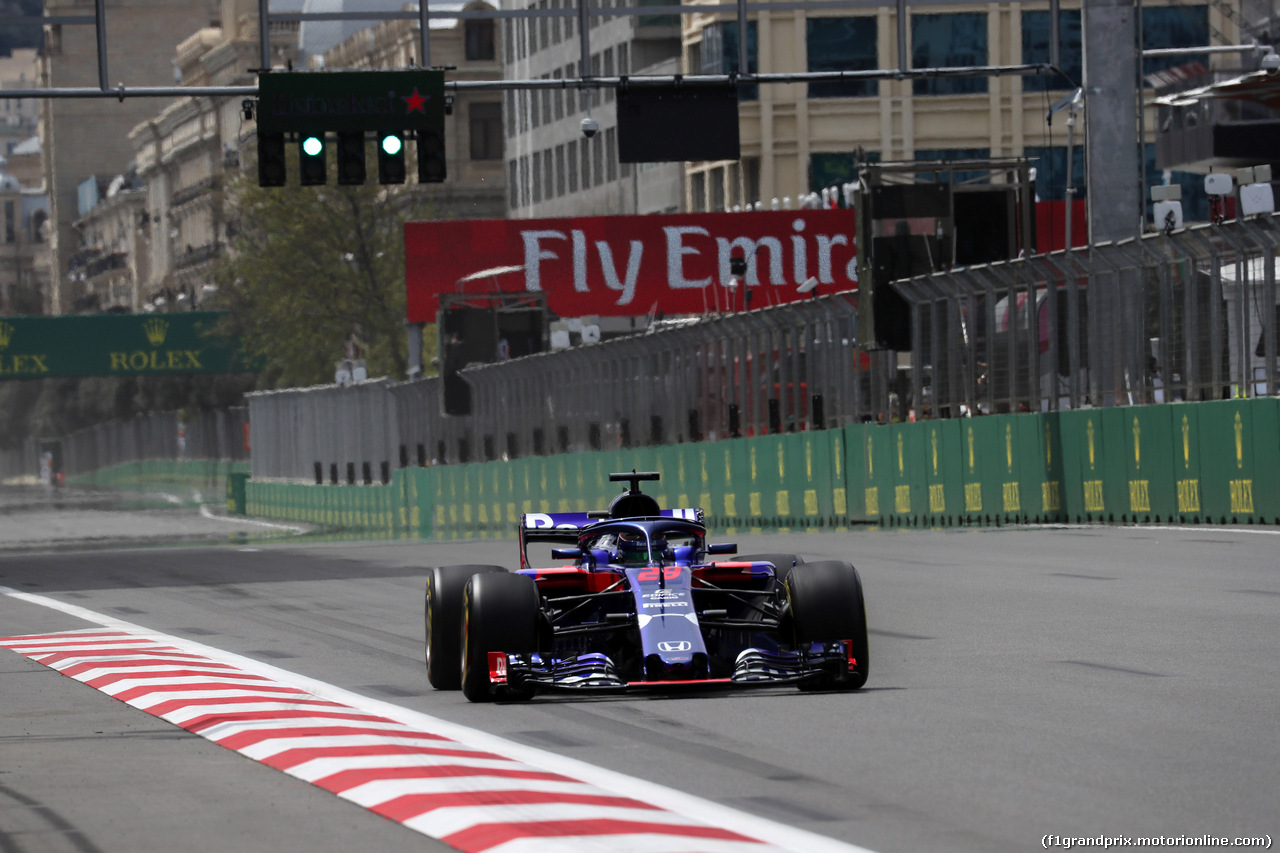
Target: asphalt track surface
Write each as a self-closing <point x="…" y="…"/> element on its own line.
<point x="1024" y="683"/>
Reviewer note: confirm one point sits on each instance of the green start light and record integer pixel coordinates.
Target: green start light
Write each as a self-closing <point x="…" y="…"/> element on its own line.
<point x="312" y="146"/>
<point x="392" y="144"/>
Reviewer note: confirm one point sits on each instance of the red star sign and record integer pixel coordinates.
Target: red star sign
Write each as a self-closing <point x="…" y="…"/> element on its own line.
<point x="415" y="102"/>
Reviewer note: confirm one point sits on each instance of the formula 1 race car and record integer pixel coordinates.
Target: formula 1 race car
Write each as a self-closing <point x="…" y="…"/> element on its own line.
<point x="642" y="605"/>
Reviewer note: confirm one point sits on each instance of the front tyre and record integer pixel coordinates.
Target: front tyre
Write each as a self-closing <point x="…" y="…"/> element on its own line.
<point x="499" y="614"/>
<point x="443" y="620"/>
<point x="827" y="606"/>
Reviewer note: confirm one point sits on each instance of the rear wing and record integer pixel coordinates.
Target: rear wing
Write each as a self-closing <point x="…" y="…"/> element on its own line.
<point x="544" y="525"/>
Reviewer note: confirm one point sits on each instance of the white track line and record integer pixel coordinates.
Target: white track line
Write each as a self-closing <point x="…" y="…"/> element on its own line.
<point x="676" y="802"/>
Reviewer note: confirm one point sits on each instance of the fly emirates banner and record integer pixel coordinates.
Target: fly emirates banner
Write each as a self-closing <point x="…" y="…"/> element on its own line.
<point x="632" y="265"/>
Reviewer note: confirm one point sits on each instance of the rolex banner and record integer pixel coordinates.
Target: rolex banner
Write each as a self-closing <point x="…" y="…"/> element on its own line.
<point x="115" y="345"/>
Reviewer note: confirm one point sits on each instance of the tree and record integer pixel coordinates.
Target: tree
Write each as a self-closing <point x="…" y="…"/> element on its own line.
<point x="310" y="266"/>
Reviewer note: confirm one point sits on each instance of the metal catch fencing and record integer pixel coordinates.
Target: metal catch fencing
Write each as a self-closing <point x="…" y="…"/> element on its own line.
<point x="208" y="435"/>
<point x="161" y="436"/>
<point x="1183" y="315"/>
<point x="1177" y="315"/>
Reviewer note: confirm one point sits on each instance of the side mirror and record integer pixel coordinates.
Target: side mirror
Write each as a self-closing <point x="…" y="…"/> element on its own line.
<point x="566" y="553"/>
<point x="722" y="548"/>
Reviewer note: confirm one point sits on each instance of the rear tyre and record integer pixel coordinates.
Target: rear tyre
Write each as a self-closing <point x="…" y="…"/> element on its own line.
<point x="827" y="606"/>
<point x="782" y="563"/>
<point x="499" y="614"/>
<point x="443" y="620"/>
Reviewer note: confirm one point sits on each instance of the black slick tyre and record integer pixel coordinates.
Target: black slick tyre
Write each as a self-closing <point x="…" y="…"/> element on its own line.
<point x="499" y="614"/>
<point x="782" y="563"/>
<point x="443" y="620"/>
<point x="827" y="606"/>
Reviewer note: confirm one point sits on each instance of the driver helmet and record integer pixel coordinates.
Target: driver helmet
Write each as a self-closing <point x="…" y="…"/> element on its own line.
<point x="632" y="549"/>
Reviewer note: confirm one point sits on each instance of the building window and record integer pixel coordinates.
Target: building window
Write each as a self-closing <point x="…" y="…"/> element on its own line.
<point x="1174" y="26"/>
<point x="720" y="54"/>
<point x="608" y="72"/>
<point x="611" y="153"/>
<point x="509" y="41"/>
<point x="597" y="155"/>
<point x="522" y="35"/>
<point x="486" y="130"/>
<point x="1195" y="201"/>
<point x="537" y="177"/>
<point x="1051" y="171"/>
<point x="513" y="185"/>
<point x="510" y="112"/>
<point x="555" y="23"/>
<point x="10" y="231"/>
<point x="750" y="180"/>
<point x="571" y="168"/>
<point x="585" y="145"/>
<point x="624" y="58"/>
<point x="1035" y="48"/>
<point x="842" y="44"/>
<point x="524" y="181"/>
<point x="544" y="28"/>
<point x="560" y="171"/>
<point x="548" y="174"/>
<point x="832" y="170"/>
<point x="717" y="200"/>
<point x="949" y="41"/>
<point x="570" y="101"/>
<point x="698" y="192"/>
<point x="545" y="96"/>
<point x="479" y="36"/>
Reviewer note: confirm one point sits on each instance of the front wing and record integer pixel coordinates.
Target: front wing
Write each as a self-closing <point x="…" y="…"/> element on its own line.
<point x="595" y="672"/>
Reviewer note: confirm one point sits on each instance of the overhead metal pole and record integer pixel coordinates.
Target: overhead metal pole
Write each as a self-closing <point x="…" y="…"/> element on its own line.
<point x="584" y="40"/>
<point x="264" y="34"/>
<point x="903" y="61"/>
<point x="743" y="68"/>
<point x="423" y="17"/>
<point x="100" y="25"/>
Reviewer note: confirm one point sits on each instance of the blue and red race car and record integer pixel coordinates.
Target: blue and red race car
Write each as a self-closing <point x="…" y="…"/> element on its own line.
<point x="642" y="604"/>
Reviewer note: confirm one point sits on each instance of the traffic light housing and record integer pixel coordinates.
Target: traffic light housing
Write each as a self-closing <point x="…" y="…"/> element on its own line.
<point x="271" y="160"/>
<point x="391" y="158"/>
<point x="344" y="109"/>
<point x="312" y="166"/>
<point x="351" y="170"/>
<point x="431" y="162"/>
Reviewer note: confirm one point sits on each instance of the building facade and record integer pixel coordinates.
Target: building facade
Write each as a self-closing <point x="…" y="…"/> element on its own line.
<point x="799" y="138"/>
<point x="553" y="169"/>
<point x="89" y="137"/>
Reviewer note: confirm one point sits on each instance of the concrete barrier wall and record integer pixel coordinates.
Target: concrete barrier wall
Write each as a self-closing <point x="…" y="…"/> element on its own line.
<point x="186" y="477"/>
<point x="1196" y="463"/>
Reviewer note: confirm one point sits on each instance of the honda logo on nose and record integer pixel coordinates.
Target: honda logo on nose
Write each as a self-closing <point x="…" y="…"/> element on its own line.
<point x="678" y="646"/>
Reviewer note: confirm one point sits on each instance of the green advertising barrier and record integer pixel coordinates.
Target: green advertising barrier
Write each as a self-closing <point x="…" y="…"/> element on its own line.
<point x="1147" y="438"/>
<point x="944" y="470"/>
<point x="1239" y="452"/>
<point x="1185" y="427"/>
<point x="235" y="493"/>
<point x="1095" y="483"/>
<point x="877" y="473"/>
<point x="985" y="469"/>
<point x="907" y="483"/>
<point x="1042" y="468"/>
<point x="1191" y="462"/>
